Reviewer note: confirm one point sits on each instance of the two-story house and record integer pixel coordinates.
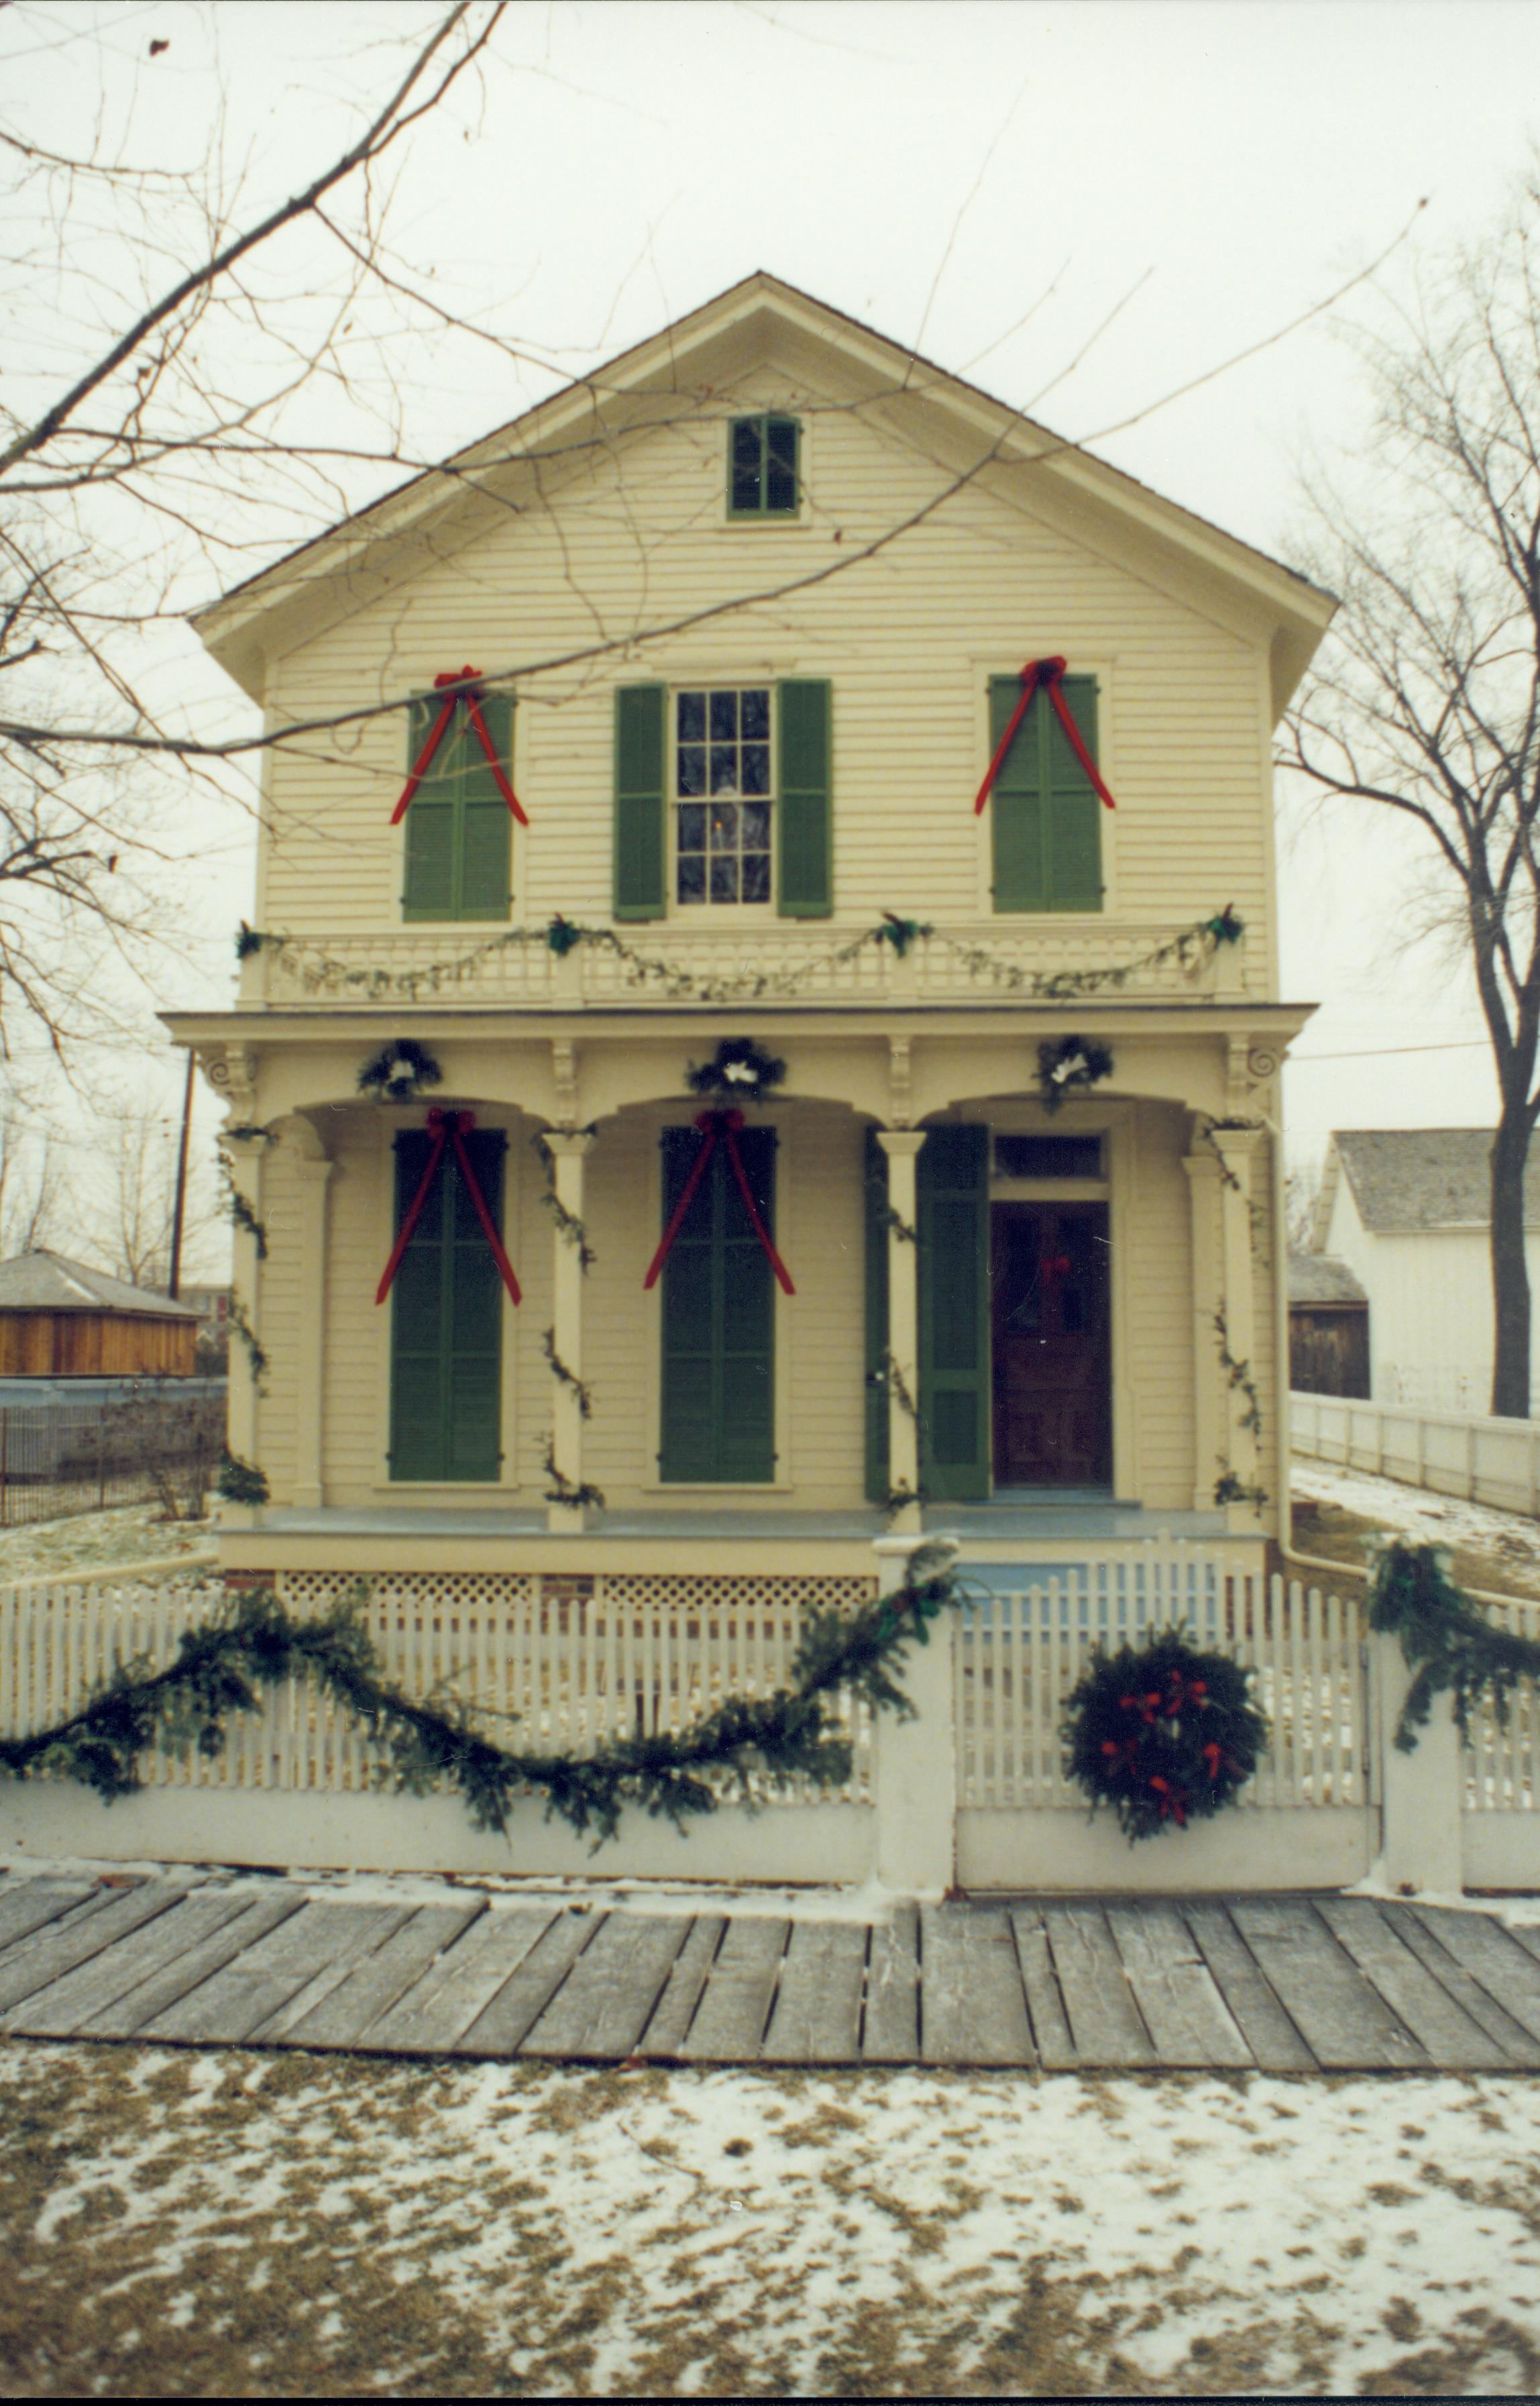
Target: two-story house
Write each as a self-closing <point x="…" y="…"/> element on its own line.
<point x="774" y="707"/>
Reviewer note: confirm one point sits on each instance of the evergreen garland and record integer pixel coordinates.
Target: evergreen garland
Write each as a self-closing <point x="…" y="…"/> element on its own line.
<point x="1449" y="1646"/>
<point x="241" y="1482"/>
<point x="252" y="1642"/>
<point x="1162" y="1733"/>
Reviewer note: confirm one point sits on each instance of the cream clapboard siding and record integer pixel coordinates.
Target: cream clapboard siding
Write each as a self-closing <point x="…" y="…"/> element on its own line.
<point x="637" y="538"/>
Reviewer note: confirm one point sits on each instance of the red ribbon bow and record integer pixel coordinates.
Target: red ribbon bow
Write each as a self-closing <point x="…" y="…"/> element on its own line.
<point x="460" y="689"/>
<point x="1173" y="1801"/>
<point x="1213" y="1755"/>
<point x="447" y="1128"/>
<point x="1052" y="1267"/>
<point x="1146" y="1707"/>
<point x="1120" y="1755"/>
<point x="1184" y="1692"/>
<point x="712" y="1126"/>
<point x="1048" y="674"/>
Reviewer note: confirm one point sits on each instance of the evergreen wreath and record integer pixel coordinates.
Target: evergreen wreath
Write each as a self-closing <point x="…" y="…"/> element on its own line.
<point x="741" y="1069"/>
<point x="252" y="1642"/>
<point x="399" y="1073"/>
<point x="1071" y="1066"/>
<point x="1162" y="1733"/>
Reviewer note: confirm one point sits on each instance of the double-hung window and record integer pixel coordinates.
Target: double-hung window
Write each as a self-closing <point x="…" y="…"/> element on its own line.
<point x="722" y="790"/>
<point x="458" y="862"/>
<point x="1045" y="813"/>
<point x="763" y="480"/>
<point x="722" y="795"/>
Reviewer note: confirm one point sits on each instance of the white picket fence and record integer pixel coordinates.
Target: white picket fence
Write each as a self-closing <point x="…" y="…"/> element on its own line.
<point x="1468" y="1455"/>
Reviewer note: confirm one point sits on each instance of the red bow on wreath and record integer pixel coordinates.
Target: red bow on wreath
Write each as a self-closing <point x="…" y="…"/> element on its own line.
<point x="1052" y="1267"/>
<point x="458" y="686"/>
<point x="1048" y="674"/>
<point x="1184" y="1691"/>
<point x="718" y="1126"/>
<point x="1213" y="1755"/>
<point x="1120" y="1756"/>
<point x="447" y="1128"/>
<point x="1173" y="1801"/>
<point x="1146" y="1706"/>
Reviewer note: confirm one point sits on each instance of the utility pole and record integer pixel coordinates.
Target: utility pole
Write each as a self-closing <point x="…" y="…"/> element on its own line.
<point x="180" y="1210"/>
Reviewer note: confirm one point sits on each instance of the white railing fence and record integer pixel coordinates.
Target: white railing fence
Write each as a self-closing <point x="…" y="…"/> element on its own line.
<point x="1468" y="1455"/>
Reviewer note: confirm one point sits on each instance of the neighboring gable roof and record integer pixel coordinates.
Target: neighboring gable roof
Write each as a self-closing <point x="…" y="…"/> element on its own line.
<point x="694" y="355"/>
<point x="1318" y="1277"/>
<point x="1407" y="1180"/>
<point x="45" y="1281"/>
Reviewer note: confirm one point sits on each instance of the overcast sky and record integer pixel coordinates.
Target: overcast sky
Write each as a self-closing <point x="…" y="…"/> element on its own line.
<point x="1208" y="171"/>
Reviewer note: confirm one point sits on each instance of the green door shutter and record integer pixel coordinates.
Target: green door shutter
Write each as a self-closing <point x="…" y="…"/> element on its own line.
<point x="953" y="1214"/>
<point x="459" y="825"/>
<point x="718" y="1401"/>
<point x="879" y="1474"/>
<point x="640" y="850"/>
<point x="447" y="1320"/>
<point x="806" y="881"/>
<point x="1047" y="818"/>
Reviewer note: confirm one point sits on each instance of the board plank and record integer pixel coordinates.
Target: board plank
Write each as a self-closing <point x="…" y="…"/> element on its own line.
<point x="1519" y="2047"/>
<point x="1348" y="2026"/>
<point x="1271" y="2036"/>
<point x="972" y="2005"/>
<point x="26" y="1904"/>
<point x="607" y="1998"/>
<point x="1453" y="2040"/>
<point x="184" y="1971"/>
<point x="1189" y="2024"/>
<point x="507" y="2018"/>
<point x="1044" y="2003"/>
<point x="891" y="2031"/>
<point x="67" y="2003"/>
<point x="664" y="2037"/>
<point x="52" y="1951"/>
<point x="729" y="2023"/>
<point x="1509" y="1974"/>
<point x="330" y="1975"/>
<point x="817" y="2012"/>
<point x="440" y="2007"/>
<point x="1104" y="2018"/>
<point x="235" y="2002"/>
<point x="375" y="1981"/>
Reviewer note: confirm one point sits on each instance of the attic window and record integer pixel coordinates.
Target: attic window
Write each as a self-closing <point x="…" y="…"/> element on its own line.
<point x="762" y="479"/>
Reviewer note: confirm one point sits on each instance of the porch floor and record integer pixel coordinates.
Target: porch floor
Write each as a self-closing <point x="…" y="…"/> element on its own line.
<point x="1276" y="1984"/>
<point x="1070" y="1517"/>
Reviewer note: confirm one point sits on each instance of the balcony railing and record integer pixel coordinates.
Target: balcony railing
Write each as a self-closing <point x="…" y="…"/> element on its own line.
<point x="794" y="966"/>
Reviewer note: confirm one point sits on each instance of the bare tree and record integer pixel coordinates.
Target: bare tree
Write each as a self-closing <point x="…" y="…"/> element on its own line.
<point x="30" y="1186"/>
<point x="1301" y="1195"/>
<point x="1427" y="700"/>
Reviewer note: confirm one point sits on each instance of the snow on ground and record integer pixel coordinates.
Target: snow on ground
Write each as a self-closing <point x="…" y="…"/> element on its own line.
<point x="130" y="1532"/>
<point x="207" y="2224"/>
<point x="1417" y="1513"/>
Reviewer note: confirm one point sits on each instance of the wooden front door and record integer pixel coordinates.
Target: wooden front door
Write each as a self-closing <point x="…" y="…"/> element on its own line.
<point x="1049" y="1298"/>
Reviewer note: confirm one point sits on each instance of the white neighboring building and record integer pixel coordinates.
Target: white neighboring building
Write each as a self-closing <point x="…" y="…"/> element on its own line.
<point x="1408" y="1210"/>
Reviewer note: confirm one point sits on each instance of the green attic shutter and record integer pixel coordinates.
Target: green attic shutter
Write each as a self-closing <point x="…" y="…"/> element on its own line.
<point x="953" y="1232"/>
<point x="806" y="881"/>
<point x="1047" y="818"/>
<point x="640" y="850"/>
<point x="458" y="851"/>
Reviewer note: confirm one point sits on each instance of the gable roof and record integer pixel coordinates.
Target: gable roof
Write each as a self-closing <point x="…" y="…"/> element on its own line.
<point x="1320" y="1278"/>
<point x="44" y="1281"/>
<point x="691" y="356"/>
<point x="1407" y="1180"/>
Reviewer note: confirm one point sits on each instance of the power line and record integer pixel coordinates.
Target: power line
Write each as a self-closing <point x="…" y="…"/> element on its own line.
<point x="1381" y="1052"/>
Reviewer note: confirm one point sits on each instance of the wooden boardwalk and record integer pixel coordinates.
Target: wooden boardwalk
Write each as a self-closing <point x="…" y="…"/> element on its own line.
<point x="1280" y="1984"/>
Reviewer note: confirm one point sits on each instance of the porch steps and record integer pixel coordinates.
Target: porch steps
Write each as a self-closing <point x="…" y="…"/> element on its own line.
<point x="1276" y="1984"/>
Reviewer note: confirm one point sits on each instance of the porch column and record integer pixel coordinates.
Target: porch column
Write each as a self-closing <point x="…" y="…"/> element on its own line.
<point x="568" y="1154"/>
<point x="1237" y="1150"/>
<point x="245" y="1156"/>
<point x="311" y="1173"/>
<point x="902" y="1148"/>
<point x="1210" y="1454"/>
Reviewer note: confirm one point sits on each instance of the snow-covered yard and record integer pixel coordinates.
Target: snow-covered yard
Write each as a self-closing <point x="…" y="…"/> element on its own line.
<point x="1509" y="1543"/>
<point x="208" y="2224"/>
<point x="130" y="1532"/>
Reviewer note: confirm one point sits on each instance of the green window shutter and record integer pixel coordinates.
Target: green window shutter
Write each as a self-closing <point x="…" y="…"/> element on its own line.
<point x="641" y="851"/>
<point x="459" y="825"/>
<point x="446" y="1319"/>
<point x="878" y="1471"/>
<point x="1047" y="824"/>
<point x="718" y="1400"/>
<point x="806" y="879"/>
<point x="953" y="1232"/>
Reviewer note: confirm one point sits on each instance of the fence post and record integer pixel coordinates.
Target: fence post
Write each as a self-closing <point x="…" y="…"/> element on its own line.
<point x="1421" y="1794"/>
<point x="915" y="1761"/>
<point x="101" y="1458"/>
<point x="5" y="1465"/>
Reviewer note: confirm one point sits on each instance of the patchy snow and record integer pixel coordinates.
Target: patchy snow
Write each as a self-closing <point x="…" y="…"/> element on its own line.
<point x="130" y="1532"/>
<point x="1414" y="1512"/>
<point x="197" y="2225"/>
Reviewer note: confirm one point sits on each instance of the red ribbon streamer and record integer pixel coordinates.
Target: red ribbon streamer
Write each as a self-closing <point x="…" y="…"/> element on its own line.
<point x="447" y="1127"/>
<point x="462" y="690"/>
<point x="1048" y="674"/>
<point x="713" y="1125"/>
<point x="1173" y="1801"/>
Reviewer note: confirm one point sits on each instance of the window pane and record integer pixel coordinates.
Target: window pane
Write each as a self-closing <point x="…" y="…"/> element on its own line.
<point x="724" y="767"/>
<point x="757" y="884"/>
<point x="692" y="768"/>
<point x="756" y="819"/>
<point x="782" y="441"/>
<point x="725" y="827"/>
<point x="692" y="877"/>
<point x="745" y="489"/>
<point x="724" y="717"/>
<point x="692" y="827"/>
<point x="692" y="718"/>
<point x="755" y="708"/>
<point x="745" y="442"/>
<point x="725" y="878"/>
<point x="781" y="490"/>
<point x="757" y="768"/>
